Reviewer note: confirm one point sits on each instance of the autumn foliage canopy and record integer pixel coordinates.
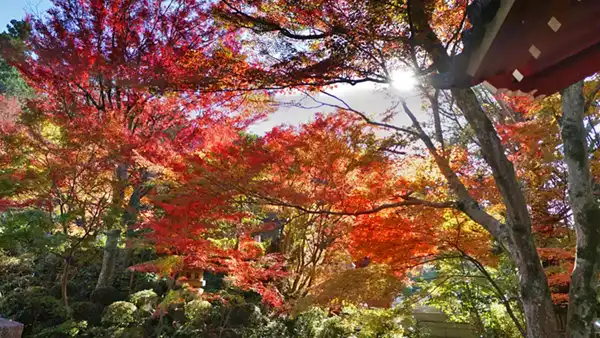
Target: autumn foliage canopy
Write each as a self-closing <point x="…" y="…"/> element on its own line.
<point x="141" y="121"/>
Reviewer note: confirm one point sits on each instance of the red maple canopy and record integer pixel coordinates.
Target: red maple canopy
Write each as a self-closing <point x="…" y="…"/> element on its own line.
<point x="542" y="45"/>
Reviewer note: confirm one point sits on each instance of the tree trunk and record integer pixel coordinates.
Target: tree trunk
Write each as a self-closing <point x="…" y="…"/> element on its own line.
<point x="64" y="283"/>
<point x="110" y="258"/>
<point x="533" y="284"/>
<point x="112" y="235"/>
<point x="129" y="219"/>
<point x="586" y="215"/>
<point x="516" y="235"/>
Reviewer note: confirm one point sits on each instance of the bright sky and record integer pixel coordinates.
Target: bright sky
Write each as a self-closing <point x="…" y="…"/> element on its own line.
<point x="364" y="98"/>
<point x="16" y="9"/>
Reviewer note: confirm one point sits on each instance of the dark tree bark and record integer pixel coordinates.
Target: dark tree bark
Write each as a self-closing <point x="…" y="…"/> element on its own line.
<point x="582" y="310"/>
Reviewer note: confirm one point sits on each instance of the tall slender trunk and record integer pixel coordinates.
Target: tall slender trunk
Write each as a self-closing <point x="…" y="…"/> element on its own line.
<point x="110" y="258"/>
<point x="582" y="311"/>
<point x="533" y="283"/>
<point x="64" y="283"/>
<point x="516" y="233"/>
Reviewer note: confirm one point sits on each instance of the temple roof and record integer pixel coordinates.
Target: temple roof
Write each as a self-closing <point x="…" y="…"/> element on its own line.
<point x="542" y="45"/>
<point x="533" y="46"/>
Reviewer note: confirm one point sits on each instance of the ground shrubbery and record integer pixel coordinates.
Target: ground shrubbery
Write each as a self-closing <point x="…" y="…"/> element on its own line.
<point x="145" y="305"/>
<point x="150" y="309"/>
<point x="87" y="311"/>
<point x="34" y="307"/>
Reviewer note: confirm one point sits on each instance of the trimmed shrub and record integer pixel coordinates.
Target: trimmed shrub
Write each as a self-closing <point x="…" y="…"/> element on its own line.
<point x="119" y="314"/>
<point x="334" y="327"/>
<point x="145" y="299"/>
<point x="197" y="309"/>
<point x="309" y="323"/>
<point x="243" y="315"/>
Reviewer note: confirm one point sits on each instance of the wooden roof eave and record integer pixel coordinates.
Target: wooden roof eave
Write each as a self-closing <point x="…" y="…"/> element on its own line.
<point x="491" y="31"/>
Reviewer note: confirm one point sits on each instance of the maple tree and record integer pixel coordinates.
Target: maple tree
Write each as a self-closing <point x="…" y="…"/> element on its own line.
<point x="276" y="172"/>
<point x="208" y="227"/>
<point x="65" y="178"/>
<point x="315" y="197"/>
<point x="98" y="77"/>
<point x="321" y="204"/>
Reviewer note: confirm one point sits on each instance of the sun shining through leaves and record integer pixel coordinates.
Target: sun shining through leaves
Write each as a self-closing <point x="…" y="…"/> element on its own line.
<point x="403" y="80"/>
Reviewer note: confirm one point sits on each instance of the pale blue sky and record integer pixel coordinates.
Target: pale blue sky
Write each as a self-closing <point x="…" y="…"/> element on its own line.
<point x="16" y="9"/>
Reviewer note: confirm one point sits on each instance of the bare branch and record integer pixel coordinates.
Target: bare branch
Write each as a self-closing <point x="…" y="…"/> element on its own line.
<point x="408" y="201"/>
<point x="498" y="290"/>
<point x="346" y="107"/>
<point x="269" y="26"/>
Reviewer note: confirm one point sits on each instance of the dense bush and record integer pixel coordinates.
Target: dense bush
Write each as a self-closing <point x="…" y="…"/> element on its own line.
<point x="178" y="313"/>
<point x="15" y="272"/>
<point x="197" y="310"/>
<point x="334" y="327"/>
<point x="271" y="328"/>
<point x="87" y="311"/>
<point x="145" y="300"/>
<point x="69" y="328"/>
<point x="33" y="307"/>
<point x="72" y="290"/>
<point x="308" y="324"/>
<point x="86" y="268"/>
<point x="119" y="314"/>
<point x="105" y="296"/>
<point x="30" y="294"/>
<point x="243" y="315"/>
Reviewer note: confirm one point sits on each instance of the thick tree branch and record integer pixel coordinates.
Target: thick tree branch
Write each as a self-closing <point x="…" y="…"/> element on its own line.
<point x="466" y="202"/>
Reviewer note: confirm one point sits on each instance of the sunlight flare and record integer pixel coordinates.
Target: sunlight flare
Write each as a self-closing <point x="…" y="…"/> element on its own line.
<point x="403" y="80"/>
